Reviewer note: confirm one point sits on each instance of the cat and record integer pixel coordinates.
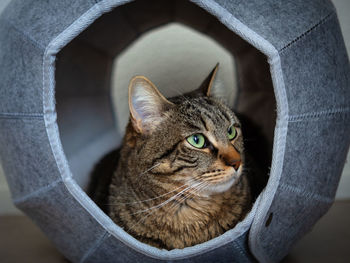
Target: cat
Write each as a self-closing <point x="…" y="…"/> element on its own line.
<point x="179" y="178"/>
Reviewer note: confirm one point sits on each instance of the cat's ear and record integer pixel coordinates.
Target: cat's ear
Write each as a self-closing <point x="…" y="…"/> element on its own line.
<point x="146" y="104"/>
<point x="209" y="85"/>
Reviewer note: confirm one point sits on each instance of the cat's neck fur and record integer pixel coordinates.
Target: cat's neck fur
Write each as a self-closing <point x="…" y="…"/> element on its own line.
<point x="180" y="178"/>
<point x="187" y="218"/>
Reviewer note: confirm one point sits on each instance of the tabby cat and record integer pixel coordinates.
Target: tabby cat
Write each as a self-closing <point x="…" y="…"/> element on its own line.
<point x="177" y="179"/>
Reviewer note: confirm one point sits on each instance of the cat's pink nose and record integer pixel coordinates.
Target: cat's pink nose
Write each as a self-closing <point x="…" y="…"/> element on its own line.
<point x="234" y="163"/>
<point x="231" y="157"/>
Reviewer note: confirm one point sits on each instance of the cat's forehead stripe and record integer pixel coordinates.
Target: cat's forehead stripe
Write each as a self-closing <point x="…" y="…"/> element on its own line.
<point x="216" y="115"/>
<point x="204" y="123"/>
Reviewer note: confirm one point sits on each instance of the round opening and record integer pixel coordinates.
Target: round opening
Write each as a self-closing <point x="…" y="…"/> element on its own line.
<point x="93" y="70"/>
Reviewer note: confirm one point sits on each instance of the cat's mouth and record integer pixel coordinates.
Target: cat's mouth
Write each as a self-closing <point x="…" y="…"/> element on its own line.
<point x="222" y="182"/>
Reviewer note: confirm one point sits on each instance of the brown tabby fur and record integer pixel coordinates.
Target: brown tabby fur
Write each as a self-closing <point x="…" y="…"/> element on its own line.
<point x="164" y="191"/>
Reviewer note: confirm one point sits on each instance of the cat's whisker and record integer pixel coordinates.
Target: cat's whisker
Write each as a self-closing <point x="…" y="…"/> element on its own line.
<point x="149" y="169"/>
<point x="155" y="208"/>
<point x="163" y="203"/>
<point x="196" y="189"/>
<point x="186" y="196"/>
<point x="157" y="197"/>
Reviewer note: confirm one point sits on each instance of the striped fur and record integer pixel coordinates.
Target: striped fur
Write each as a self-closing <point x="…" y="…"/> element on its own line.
<point x="169" y="194"/>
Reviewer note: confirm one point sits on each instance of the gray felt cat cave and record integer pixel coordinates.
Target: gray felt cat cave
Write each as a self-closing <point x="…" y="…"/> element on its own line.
<point x="56" y="115"/>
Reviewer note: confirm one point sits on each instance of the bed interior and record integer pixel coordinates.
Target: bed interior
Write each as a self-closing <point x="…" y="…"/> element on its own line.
<point x="87" y="121"/>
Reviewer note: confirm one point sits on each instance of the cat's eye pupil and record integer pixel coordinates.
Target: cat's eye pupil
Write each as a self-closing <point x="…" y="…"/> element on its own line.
<point x="197" y="140"/>
<point x="231" y="133"/>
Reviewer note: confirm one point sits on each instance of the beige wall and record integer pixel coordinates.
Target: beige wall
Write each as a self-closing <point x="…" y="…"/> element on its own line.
<point x="186" y="58"/>
<point x="173" y="42"/>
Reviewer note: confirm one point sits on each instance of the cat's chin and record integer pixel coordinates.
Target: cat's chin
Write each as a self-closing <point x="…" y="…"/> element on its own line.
<point x="225" y="184"/>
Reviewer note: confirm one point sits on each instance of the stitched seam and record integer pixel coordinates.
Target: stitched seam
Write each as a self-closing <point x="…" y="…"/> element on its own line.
<point x="18" y="115"/>
<point x="322" y="21"/>
<point x="240" y="249"/>
<point x="24" y="34"/>
<point x="313" y="115"/>
<point x="306" y="193"/>
<point x="41" y="190"/>
<point x="94" y="247"/>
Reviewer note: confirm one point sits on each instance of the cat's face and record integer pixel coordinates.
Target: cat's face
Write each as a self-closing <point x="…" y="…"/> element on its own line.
<point x="193" y="140"/>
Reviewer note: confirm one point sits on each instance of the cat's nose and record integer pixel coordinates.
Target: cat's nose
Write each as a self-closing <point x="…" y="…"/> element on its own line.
<point x="231" y="157"/>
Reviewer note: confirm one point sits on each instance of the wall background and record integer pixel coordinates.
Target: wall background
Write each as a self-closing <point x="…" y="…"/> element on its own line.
<point x="178" y="39"/>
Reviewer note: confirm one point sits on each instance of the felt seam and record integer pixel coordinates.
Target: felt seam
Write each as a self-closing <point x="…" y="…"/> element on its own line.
<point x="318" y="24"/>
<point x="306" y="193"/>
<point x="24" y="34"/>
<point x="39" y="191"/>
<point x="95" y="246"/>
<point x="20" y="115"/>
<point x="240" y="249"/>
<point x="314" y="115"/>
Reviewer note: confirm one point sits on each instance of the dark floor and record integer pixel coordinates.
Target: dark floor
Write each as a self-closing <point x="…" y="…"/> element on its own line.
<point x="21" y="241"/>
<point x="329" y="241"/>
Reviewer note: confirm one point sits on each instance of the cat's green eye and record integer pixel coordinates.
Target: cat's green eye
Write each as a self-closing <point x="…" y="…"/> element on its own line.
<point x="231" y="133"/>
<point x="196" y="140"/>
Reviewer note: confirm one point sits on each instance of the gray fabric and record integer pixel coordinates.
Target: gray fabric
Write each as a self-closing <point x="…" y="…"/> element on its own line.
<point x="21" y="82"/>
<point x="313" y="59"/>
<point x="109" y="249"/>
<point x="63" y="219"/>
<point x="279" y="22"/>
<point x="201" y="21"/>
<point x="42" y="21"/>
<point x="299" y="41"/>
<point x="107" y="39"/>
<point x="79" y="61"/>
<point x="315" y="154"/>
<point x="26" y="155"/>
<point x="318" y="130"/>
<point x="138" y="13"/>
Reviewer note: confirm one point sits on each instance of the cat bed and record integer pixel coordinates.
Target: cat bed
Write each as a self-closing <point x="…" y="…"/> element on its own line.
<point x="56" y="115"/>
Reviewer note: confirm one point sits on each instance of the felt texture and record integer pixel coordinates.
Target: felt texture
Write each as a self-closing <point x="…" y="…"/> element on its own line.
<point x="54" y="112"/>
<point x="315" y="154"/>
<point x="26" y="155"/>
<point x="81" y="71"/>
<point x="320" y="138"/>
<point x="109" y="249"/>
<point x="184" y="13"/>
<point x="44" y="20"/>
<point x="279" y="22"/>
<point x="21" y="72"/>
<point x="313" y="59"/>
<point x="138" y="14"/>
<point x="110" y="39"/>
<point x="66" y="222"/>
